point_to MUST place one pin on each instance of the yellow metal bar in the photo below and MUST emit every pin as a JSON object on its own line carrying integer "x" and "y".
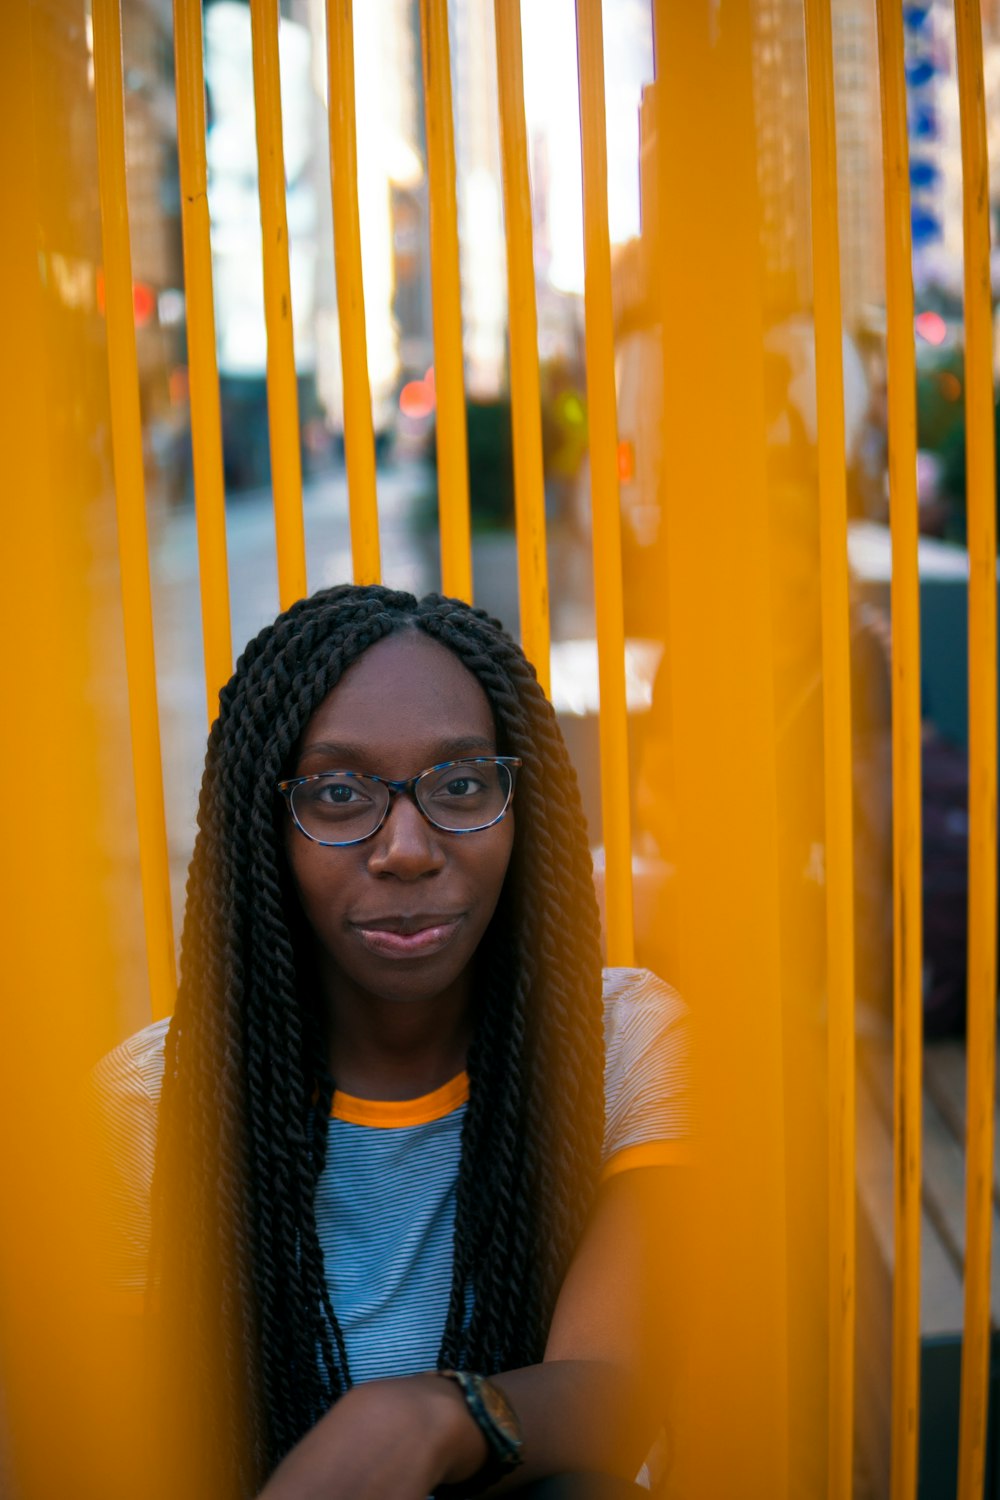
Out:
{"x": 605, "y": 504}
{"x": 126, "y": 441}
{"x": 449, "y": 375}
{"x": 206, "y": 421}
{"x": 70, "y": 904}
{"x": 282, "y": 391}
{"x": 525, "y": 395}
{"x": 834, "y": 610}
{"x": 906, "y": 816}
{"x": 359, "y": 438}
{"x": 980, "y": 504}
{"x": 708, "y": 293}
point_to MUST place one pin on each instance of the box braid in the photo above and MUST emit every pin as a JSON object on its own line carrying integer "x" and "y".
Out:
{"x": 237, "y": 1266}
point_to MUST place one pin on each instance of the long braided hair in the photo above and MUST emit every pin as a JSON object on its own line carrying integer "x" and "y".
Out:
{"x": 237, "y": 1264}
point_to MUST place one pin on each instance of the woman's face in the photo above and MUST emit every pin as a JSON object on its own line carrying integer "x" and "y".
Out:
{"x": 400, "y": 915}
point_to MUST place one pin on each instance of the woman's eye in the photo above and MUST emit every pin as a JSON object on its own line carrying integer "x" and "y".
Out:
{"x": 337, "y": 793}
{"x": 462, "y": 786}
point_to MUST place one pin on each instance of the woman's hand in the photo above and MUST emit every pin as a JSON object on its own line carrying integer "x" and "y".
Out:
{"x": 594, "y": 1404}
{"x": 385, "y": 1440}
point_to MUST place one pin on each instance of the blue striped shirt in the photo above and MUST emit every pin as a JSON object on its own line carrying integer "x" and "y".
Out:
{"x": 385, "y": 1201}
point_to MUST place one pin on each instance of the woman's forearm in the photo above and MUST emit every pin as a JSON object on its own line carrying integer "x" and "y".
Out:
{"x": 396, "y": 1439}
{"x": 578, "y": 1415}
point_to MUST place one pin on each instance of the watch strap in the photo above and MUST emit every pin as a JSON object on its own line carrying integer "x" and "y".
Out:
{"x": 503, "y": 1437}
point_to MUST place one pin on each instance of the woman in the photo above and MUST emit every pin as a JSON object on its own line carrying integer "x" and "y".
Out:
{"x": 379, "y": 1146}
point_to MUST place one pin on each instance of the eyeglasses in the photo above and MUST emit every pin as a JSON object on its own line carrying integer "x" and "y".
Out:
{"x": 346, "y": 807}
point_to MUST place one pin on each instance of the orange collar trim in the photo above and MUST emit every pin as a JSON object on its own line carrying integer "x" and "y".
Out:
{"x": 394, "y": 1114}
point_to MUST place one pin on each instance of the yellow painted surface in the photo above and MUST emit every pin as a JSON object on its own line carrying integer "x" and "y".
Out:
{"x": 359, "y": 439}
{"x": 839, "y": 862}
{"x": 282, "y": 390}
{"x": 732, "y": 1424}
{"x": 71, "y": 903}
{"x": 206, "y": 420}
{"x": 525, "y": 396}
{"x": 126, "y": 436}
{"x": 605, "y": 501}
{"x": 982, "y": 953}
{"x": 906, "y": 813}
{"x": 449, "y": 378}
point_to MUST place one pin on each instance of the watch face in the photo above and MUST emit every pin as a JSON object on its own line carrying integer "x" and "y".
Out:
{"x": 500, "y": 1412}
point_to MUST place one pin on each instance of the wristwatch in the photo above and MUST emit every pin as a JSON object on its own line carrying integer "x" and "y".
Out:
{"x": 497, "y": 1421}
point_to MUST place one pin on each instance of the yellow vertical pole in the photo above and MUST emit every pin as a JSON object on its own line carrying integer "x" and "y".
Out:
{"x": 834, "y": 612}
{"x": 449, "y": 375}
{"x": 525, "y": 394}
{"x": 982, "y": 963}
{"x": 126, "y": 438}
{"x": 605, "y": 504}
{"x": 206, "y": 422}
{"x": 282, "y": 391}
{"x": 906, "y": 816}
{"x": 359, "y": 437}
{"x": 67, "y": 943}
{"x": 708, "y": 288}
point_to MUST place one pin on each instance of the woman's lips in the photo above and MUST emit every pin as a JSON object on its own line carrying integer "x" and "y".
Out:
{"x": 418, "y": 942}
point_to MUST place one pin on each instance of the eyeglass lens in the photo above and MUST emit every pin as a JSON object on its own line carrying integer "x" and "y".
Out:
{"x": 341, "y": 806}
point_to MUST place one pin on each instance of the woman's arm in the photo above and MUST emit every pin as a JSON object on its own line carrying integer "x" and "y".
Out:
{"x": 595, "y": 1403}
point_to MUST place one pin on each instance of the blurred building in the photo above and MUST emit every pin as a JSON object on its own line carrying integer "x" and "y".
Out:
{"x": 392, "y": 204}
{"x": 782, "y": 105}
{"x": 155, "y": 226}
{"x": 482, "y": 249}
{"x": 409, "y": 202}
{"x": 779, "y": 62}
{"x": 859, "y": 160}
{"x": 935, "y": 136}
{"x": 233, "y": 191}
{"x": 151, "y": 142}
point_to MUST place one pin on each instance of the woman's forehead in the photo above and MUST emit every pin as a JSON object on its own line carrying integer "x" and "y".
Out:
{"x": 407, "y": 696}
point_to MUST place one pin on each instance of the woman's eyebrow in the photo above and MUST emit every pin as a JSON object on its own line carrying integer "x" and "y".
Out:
{"x": 342, "y": 750}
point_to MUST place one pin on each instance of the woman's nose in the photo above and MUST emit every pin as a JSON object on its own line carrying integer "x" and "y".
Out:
{"x": 406, "y": 845}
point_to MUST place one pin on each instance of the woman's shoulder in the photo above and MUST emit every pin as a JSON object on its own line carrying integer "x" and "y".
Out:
{"x": 132, "y": 1072}
{"x": 646, "y": 1067}
{"x": 638, "y": 999}
{"x": 124, "y": 1095}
